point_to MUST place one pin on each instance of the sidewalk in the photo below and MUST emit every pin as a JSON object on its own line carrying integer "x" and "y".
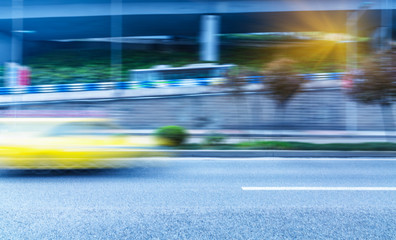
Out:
{"x": 314, "y": 136}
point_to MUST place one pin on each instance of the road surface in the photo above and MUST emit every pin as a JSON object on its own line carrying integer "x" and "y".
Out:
{"x": 264, "y": 198}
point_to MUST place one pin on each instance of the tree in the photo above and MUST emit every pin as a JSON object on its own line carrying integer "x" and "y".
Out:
{"x": 376, "y": 84}
{"x": 282, "y": 82}
{"x": 235, "y": 82}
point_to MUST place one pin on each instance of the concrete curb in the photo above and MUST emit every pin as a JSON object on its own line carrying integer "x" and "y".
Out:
{"x": 281, "y": 153}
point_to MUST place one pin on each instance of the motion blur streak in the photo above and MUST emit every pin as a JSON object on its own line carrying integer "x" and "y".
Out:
{"x": 70, "y": 143}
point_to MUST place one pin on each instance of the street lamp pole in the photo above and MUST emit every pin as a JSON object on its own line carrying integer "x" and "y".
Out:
{"x": 352, "y": 29}
{"x": 116, "y": 40}
{"x": 17, "y": 32}
{"x": 352, "y": 60}
{"x": 386, "y": 25}
{"x": 16, "y": 47}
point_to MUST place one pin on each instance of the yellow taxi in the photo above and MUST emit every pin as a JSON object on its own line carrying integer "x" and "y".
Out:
{"x": 70, "y": 143}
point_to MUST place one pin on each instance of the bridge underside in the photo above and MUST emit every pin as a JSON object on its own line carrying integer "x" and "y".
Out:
{"x": 189, "y": 24}
{"x": 56, "y": 28}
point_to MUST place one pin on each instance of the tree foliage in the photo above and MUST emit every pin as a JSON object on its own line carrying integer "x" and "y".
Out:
{"x": 235, "y": 80}
{"x": 376, "y": 83}
{"x": 282, "y": 80}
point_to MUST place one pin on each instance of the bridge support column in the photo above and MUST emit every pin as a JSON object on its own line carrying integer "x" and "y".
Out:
{"x": 209, "y": 42}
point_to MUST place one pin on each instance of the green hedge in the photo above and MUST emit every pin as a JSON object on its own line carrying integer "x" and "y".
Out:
{"x": 278, "y": 145}
{"x": 370, "y": 146}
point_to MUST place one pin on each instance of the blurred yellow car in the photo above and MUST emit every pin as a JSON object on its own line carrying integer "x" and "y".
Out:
{"x": 70, "y": 143}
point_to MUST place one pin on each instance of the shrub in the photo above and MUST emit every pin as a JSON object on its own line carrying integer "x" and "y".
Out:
{"x": 171, "y": 135}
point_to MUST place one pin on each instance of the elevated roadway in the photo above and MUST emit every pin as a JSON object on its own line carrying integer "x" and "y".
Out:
{"x": 92, "y": 18}
{"x": 44, "y": 20}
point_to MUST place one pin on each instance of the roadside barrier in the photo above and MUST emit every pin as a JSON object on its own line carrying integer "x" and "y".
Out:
{"x": 76, "y": 87}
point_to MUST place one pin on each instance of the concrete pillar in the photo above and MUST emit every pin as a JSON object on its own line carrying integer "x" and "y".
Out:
{"x": 5, "y": 48}
{"x": 209, "y": 39}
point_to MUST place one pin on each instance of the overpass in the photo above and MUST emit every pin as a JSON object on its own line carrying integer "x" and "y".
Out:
{"x": 35, "y": 21}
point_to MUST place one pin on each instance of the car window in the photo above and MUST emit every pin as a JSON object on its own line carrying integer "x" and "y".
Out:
{"x": 83, "y": 128}
{"x": 24, "y": 128}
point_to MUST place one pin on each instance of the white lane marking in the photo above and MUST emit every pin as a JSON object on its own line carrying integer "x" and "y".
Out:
{"x": 319, "y": 188}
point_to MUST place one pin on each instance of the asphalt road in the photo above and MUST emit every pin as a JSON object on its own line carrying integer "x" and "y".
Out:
{"x": 205, "y": 199}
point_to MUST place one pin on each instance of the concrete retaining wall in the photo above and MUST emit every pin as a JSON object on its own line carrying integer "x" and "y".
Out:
{"x": 320, "y": 109}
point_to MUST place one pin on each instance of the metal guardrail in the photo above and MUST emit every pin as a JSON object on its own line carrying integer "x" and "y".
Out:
{"x": 76, "y": 87}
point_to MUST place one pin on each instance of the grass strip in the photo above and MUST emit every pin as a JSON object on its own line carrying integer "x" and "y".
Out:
{"x": 279, "y": 145}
